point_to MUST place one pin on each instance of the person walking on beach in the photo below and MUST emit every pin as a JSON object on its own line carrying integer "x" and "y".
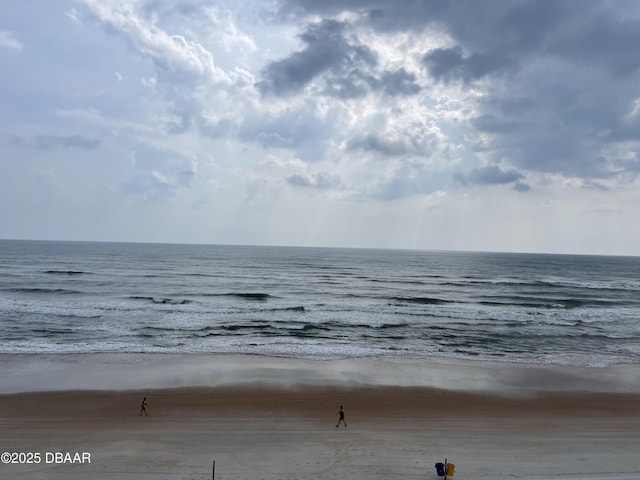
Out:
{"x": 341, "y": 419}
{"x": 143, "y": 406}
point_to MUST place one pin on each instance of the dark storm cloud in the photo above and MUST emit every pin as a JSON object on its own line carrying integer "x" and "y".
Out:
{"x": 345, "y": 67}
{"x": 521, "y": 187}
{"x": 606, "y": 38}
{"x": 559, "y": 77}
{"x": 327, "y": 51}
{"x": 491, "y": 123}
{"x": 400, "y": 144}
{"x": 511, "y": 25}
{"x": 565, "y": 126}
{"x": 578, "y": 29}
{"x": 449, "y": 64}
{"x": 395, "y": 83}
{"x": 502, "y": 31}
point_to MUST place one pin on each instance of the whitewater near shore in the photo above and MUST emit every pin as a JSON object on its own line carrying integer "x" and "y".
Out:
{"x": 275, "y": 418}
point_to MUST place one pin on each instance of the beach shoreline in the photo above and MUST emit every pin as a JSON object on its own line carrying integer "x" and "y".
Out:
{"x": 136, "y": 371}
{"x": 256, "y": 428}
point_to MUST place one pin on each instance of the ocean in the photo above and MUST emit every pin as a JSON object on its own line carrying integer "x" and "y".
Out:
{"x": 321, "y": 303}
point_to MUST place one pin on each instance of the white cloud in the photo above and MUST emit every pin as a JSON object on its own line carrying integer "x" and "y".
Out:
{"x": 9, "y": 41}
{"x": 225, "y": 31}
{"x": 169, "y": 52}
{"x": 74, "y": 15}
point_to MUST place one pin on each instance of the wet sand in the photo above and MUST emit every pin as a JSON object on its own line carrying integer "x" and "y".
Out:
{"x": 265, "y": 429}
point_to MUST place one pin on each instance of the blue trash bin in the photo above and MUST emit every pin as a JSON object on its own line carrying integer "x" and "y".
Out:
{"x": 440, "y": 469}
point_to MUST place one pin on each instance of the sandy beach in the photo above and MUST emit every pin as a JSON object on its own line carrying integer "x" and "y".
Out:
{"x": 256, "y": 429}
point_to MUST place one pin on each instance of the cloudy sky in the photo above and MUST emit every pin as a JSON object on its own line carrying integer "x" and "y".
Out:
{"x": 431, "y": 124}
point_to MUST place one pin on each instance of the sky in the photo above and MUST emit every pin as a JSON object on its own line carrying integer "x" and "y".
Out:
{"x": 502, "y": 125}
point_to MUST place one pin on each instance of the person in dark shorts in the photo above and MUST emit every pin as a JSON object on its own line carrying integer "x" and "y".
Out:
{"x": 143, "y": 406}
{"x": 341, "y": 419}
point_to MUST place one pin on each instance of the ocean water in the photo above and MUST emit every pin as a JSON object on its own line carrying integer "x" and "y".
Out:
{"x": 318, "y": 302}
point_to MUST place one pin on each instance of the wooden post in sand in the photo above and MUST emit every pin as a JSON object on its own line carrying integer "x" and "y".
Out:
{"x": 213, "y": 471}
